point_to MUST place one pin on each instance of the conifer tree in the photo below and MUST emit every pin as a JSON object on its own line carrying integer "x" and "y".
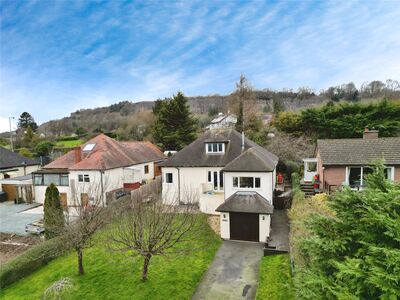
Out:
{"x": 174, "y": 126}
{"x": 53, "y": 213}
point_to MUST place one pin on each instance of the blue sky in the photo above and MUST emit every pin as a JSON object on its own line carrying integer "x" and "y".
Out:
{"x": 59, "y": 56}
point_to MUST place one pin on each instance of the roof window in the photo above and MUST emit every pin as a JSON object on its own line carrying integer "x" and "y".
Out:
{"x": 89, "y": 147}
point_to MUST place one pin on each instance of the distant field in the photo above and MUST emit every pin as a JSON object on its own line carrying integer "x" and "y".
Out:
{"x": 69, "y": 144}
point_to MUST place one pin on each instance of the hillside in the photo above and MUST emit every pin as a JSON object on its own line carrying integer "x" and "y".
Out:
{"x": 110, "y": 118}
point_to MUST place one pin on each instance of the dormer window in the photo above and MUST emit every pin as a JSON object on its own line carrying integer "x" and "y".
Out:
{"x": 215, "y": 148}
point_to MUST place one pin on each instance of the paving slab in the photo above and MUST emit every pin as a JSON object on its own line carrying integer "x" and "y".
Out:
{"x": 233, "y": 274}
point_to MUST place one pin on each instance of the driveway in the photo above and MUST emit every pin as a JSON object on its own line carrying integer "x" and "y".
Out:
{"x": 14, "y": 217}
{"x": 234, "y": 272}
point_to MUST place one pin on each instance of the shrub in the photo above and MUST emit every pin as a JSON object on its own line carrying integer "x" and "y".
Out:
{"x": 30, "y": 261}
{"x": 53, "y": 213}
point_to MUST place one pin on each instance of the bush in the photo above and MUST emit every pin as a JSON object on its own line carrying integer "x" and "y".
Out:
{"x": 30, "y": 261}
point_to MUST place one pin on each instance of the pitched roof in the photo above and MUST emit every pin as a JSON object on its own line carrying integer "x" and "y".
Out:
{"x": 9, "y": 159}
{"x": 255, "y": 159}
{"x": 247, "y": 202}
{"x": 359, "y": 151}
{"x": 194, "y": 155}
{"x": 108, "y": 153}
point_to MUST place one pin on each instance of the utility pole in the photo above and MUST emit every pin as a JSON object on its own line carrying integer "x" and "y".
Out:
{"x": 11, "y": 138}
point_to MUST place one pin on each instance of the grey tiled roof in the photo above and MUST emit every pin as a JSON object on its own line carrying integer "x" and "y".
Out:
{"x": 359, "y": 151}
{"x": 247, "y": 202}
{"x": 194, "y": 155}
{"x": 9, "y": 159}
{"x": 255, "y": 159}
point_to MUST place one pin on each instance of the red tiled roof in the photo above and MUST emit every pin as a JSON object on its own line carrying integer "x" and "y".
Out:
{"x": 108, "y": 154}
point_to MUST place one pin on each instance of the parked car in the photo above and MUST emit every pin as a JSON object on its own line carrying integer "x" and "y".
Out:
{"x": 36, "y": 227}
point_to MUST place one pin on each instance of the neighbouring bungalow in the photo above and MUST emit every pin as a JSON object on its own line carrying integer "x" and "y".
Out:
{"x": 15, "y": 175}
{"x": 102, "y": 166}
{"x": 345, "y": 162}
{"x": 228, "y": 175}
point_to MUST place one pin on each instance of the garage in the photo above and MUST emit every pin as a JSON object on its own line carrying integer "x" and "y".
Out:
{"x": 244, "y": 226}
{"x": 245, "y": 216}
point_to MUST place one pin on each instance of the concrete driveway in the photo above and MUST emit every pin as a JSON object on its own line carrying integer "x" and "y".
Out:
{"x": 234, "y": 272}
{"x": 14, "y": 217}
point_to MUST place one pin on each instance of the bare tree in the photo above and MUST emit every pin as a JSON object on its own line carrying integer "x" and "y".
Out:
{"x": 86, "y": 214}
{"x": 146, "y": 227}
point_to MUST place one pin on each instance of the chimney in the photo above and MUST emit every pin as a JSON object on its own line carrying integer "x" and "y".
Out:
{"x": 370, "y": 134}
{"x": 78, "y": 154}
{"x": 242, "y": 141}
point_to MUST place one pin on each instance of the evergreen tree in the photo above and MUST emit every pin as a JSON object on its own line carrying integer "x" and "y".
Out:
{"x": 25, "y": 120}
{"x": 53, "y": 213}
{"x": 174, "y": 125}
{"x": 355, "y": 252}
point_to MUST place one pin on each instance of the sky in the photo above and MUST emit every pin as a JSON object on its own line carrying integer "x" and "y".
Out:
{"x": 59, "y": 56}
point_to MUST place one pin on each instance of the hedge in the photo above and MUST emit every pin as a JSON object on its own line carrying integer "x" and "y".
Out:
{"x": 30, "y": 261}
{"x": 68, "y": 138}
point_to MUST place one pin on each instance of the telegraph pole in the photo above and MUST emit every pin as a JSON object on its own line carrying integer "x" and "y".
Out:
{"x": 11, "y": 138}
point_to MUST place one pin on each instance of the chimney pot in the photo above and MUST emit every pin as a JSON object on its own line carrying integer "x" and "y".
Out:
{"x": 78, "y": 154}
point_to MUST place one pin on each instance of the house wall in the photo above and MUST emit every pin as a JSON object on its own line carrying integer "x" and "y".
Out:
{"x": 397, "y": 174}
{"x": 187, "y": 183}
{"x": 21, "y": 171}
{"x": 225, "y": 230}
{"x": 266, "y": 188}
{"x": 264, "y": 226}
{"x": 105, "y": 182}
{"x": 334, "y": 175}
{"x": 320, "y": 167}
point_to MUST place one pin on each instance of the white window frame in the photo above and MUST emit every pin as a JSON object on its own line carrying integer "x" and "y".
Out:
{"x": 392, "y": 169}
{"x": 215, "y": 152}
{"x": 219, "y": 174}
{"x": 84, "y": 177}
{"x": 241, "y": 188}
{"x": 172, "y": 178}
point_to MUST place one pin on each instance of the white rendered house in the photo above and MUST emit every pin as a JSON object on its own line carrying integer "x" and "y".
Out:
{"x": 101, "y": 166}
{"x": 226, "y": 174}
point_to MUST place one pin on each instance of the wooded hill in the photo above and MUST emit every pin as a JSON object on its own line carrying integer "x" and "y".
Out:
{"x": 115, "y": 116}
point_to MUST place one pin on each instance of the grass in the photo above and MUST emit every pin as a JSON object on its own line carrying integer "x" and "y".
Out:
{"x": 114, "y": 276}
{"x": 275, "y": 278}
{"x": 69, "y": 144}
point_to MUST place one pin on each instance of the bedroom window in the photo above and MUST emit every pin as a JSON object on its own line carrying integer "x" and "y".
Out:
{"x": 215, "y": 148}
{"x": 83, "y": 178}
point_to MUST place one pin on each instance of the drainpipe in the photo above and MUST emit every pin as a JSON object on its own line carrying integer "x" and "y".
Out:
{"x": 242, "y": 141}
{"x": 179, "y": 185}
{"x": 102, "y": 187}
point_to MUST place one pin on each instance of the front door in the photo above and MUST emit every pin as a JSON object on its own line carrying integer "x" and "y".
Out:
{"x": 63, "y": 200}
{"x": 310, "y": 169}
{"x": 244, "y": 226}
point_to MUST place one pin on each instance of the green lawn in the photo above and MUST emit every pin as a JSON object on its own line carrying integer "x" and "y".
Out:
{"x": 69, "y": 144}
{"x": 275, "y": 278}
{"x": 113, "y": 276}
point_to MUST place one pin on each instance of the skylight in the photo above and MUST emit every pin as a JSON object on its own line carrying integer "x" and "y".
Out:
{"x": 89, "y": 147}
